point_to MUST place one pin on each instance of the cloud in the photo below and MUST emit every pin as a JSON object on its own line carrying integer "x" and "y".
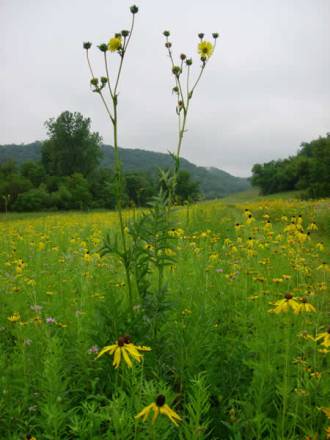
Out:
{"x": 265, "y": 91}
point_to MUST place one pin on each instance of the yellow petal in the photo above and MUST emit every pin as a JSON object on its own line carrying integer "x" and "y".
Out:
{"x": 109, "y": 348}
{"x": 116, "y": 358}
{"x": 126, "y": 358}
{"x": 133, "y": 351}
{"x": 156, "y": 412}
{"x": 326, "y": 411}
{"x": 142, "y": 348}
{"x": 145, "y": 412}
{"x": 172, "y": 415}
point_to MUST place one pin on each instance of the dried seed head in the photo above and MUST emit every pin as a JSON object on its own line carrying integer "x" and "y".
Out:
{"x": 176, "y": 70}
{"x": 103, "y": 47}
{"x": 87, "y": 45}
{"x": 94, "y": 81}
{"x": 134, "y": 9}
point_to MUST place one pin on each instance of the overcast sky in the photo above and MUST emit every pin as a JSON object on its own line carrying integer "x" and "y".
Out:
{"x": 266, "y": 88}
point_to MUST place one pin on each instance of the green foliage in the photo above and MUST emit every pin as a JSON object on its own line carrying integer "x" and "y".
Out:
{"x": 34, "y": 171}
{"x": 263, "y": 378}
{"x": 186, "y": 188}
{"x": 309, "y": 170}
{"x": 71, "y": 147}
{"x": 36, "y": 199}
{"x": 214, "y": 183}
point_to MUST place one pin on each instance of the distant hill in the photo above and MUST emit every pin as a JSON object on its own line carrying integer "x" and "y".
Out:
{"x": 213, "y": 182}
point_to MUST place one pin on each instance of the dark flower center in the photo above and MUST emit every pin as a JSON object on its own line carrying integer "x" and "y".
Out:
{"x": 121, "y": 341}
{"x": 288, "y": 296}
{"x": 160, "y": 400}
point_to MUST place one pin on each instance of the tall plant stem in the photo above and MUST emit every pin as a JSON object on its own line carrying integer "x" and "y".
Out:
{"x": 119, "y": 178}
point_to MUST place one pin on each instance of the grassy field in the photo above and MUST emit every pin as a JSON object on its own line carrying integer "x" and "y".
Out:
{"x": 239, "y": 341}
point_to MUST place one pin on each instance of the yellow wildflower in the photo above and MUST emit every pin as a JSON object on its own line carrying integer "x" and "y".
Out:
{"x": 327, "y": 432}
{"x": 283, "y": 305}
{"x": 305, "y": 306}
{"x": 124, "y": 348}
{"x": 205, "y": 49}
{"x": 15, "y": 317}
{"x": 312, "y": 227}
{"x": 326, "y": 411}
{"x": 159, "y": 407}
{"x": 326, "y": 338}
{"x": 114, "y": 43}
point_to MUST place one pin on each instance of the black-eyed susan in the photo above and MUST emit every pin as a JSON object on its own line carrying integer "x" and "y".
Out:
{"x": 15, "y": 317}
{"x": 324, "y": 337}
{"x": 124, "y": 348}
{"x": 159, "y": 407}
{"x": 205, "y": 49}
{"x": 115, "y": 43}
{"x": 285, "y": 304}
{"x": 305, "y": 306}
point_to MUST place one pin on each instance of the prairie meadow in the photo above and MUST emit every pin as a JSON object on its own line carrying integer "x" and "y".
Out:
{"x": 236, "y": 347}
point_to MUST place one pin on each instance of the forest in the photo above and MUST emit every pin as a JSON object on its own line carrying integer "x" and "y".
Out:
{"x": 308, "y": 170}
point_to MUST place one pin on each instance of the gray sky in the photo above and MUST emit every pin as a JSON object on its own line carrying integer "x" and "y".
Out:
{"x": 265, "y": 90}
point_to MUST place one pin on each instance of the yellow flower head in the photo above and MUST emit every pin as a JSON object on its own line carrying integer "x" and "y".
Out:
{"x": 123, "y": 348}
{"x": 159, "y": 407}
{"x": 325, "y": 338}
{"x": 305, "y": 306}
{"x": 114, "y": 43}
{"x": 205, "y": 49}
{"x": 15, "y": 317}
{"x": 283, "y": 305}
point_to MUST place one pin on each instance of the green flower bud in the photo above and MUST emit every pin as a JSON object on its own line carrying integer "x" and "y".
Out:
{"x": 134, "y": 9}
{"x": 117, "y": 35}
{"x": 183, "y": 56}
{"x": 201, "y": 35}
{"x": 94, "y": 82}
{"x": 189, "y": 62}
{"x": 166, "y": 33}
{"x": 176, "y": 70}
{"x": 87, "y": 45}
{"x": 125, "y": 33}
{"x": 215, "y": 35}
{"x": 104, "y": 79}
{"x": 103, "y": 47}
{"x": 203, "y": 59}
{"x": 175, "y": 89}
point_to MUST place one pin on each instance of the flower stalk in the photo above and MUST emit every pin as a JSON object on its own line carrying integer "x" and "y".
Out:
{"x": 118, "y": 44}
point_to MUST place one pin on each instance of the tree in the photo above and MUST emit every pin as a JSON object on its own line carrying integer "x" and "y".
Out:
{"x": 186, "y": 189}
{"x": 34, "y": 171}
{"x": 139, "y": 188}
{"x": 71, "y": 147}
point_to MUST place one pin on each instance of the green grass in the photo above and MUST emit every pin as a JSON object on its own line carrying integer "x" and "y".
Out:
{"x": 230, "y": 367}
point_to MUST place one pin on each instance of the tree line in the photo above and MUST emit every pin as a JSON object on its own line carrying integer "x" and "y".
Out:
{"x": 308, "y": 170}
{"x": 69, "y": 175}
